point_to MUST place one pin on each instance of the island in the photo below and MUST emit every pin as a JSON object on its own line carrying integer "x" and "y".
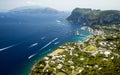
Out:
{"x": 98, "y": 55}
{"x": 87, "y": 16}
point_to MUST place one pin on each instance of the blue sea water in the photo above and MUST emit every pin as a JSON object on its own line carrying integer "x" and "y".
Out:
{"x": 24, "y": 39}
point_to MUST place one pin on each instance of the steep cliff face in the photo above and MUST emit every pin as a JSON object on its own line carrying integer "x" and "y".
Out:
{"x": 90, "y": 17}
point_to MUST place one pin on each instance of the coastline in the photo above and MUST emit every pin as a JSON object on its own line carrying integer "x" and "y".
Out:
{"x": 57, "y": 51}
{"x": 81, "y": 57}
{"x": 60, "y": 49}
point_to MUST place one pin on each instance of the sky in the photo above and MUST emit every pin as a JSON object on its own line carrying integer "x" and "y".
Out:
{"x": 63, "y": 5}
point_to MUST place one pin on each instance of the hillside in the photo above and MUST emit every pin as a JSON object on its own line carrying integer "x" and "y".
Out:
{"x": 91, "y": 17}
{"x": 34, "y": 10}
{"x": 98, "y": 55}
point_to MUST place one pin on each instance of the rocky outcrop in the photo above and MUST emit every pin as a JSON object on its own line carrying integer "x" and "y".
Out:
{"x": 90, "y": 17}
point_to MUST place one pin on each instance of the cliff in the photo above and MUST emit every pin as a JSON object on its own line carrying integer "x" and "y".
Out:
{"x": 91, "y": 17}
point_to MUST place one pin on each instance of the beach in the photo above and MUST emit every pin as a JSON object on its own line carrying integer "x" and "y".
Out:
{"x": 57, "y": 51}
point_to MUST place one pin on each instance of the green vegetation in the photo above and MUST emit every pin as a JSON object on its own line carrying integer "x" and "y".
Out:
{"x": 101, "y": 14}
{"x": 99, "y": 55}
{"x": 90, "y": 48}
{"x": 108, "y": 12}
{"x": 92, "y": 17}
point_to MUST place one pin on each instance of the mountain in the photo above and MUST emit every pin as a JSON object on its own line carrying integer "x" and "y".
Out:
{"x": 90, "y": 17}
{"x": 34, "y": 10}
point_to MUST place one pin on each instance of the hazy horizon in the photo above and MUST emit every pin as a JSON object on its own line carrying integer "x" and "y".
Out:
{"x": 62, "y": 5}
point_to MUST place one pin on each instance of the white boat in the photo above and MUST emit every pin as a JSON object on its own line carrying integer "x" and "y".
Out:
{"x": 77, "y": 33}
{"x": 58, "y": 21}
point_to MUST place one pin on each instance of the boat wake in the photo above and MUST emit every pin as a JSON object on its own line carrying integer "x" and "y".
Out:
{"x": 6, "y": 48}
{"x": 42, "y": 38}
{"x": 35, "y": 44}
{"x": 49, "y": 43}
{"x": 32, "y": 56}
{"x": 56, "y": 43}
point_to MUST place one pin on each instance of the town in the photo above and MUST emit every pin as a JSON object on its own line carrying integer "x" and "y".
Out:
{"x": 98, "y": 55}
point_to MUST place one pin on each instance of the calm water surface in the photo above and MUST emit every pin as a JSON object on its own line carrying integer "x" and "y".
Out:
{"x": 25, "y": 39}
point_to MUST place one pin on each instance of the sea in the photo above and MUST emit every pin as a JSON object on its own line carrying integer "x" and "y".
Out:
{"x": 25, "y": 39}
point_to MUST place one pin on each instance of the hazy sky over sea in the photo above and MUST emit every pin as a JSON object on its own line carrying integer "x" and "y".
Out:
{"x": 61, "y": 4}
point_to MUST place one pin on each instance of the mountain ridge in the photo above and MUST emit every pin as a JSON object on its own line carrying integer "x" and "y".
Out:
{"x": 89, "y": 16}
{"x": 34, "y": 10}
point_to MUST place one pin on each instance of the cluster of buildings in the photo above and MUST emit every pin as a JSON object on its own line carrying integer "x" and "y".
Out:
{"x": 61, "y": 62}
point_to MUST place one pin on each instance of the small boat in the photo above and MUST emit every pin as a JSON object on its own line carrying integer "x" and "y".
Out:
{"x": 58, "y": 21}
{"x": 77, "y": 33}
